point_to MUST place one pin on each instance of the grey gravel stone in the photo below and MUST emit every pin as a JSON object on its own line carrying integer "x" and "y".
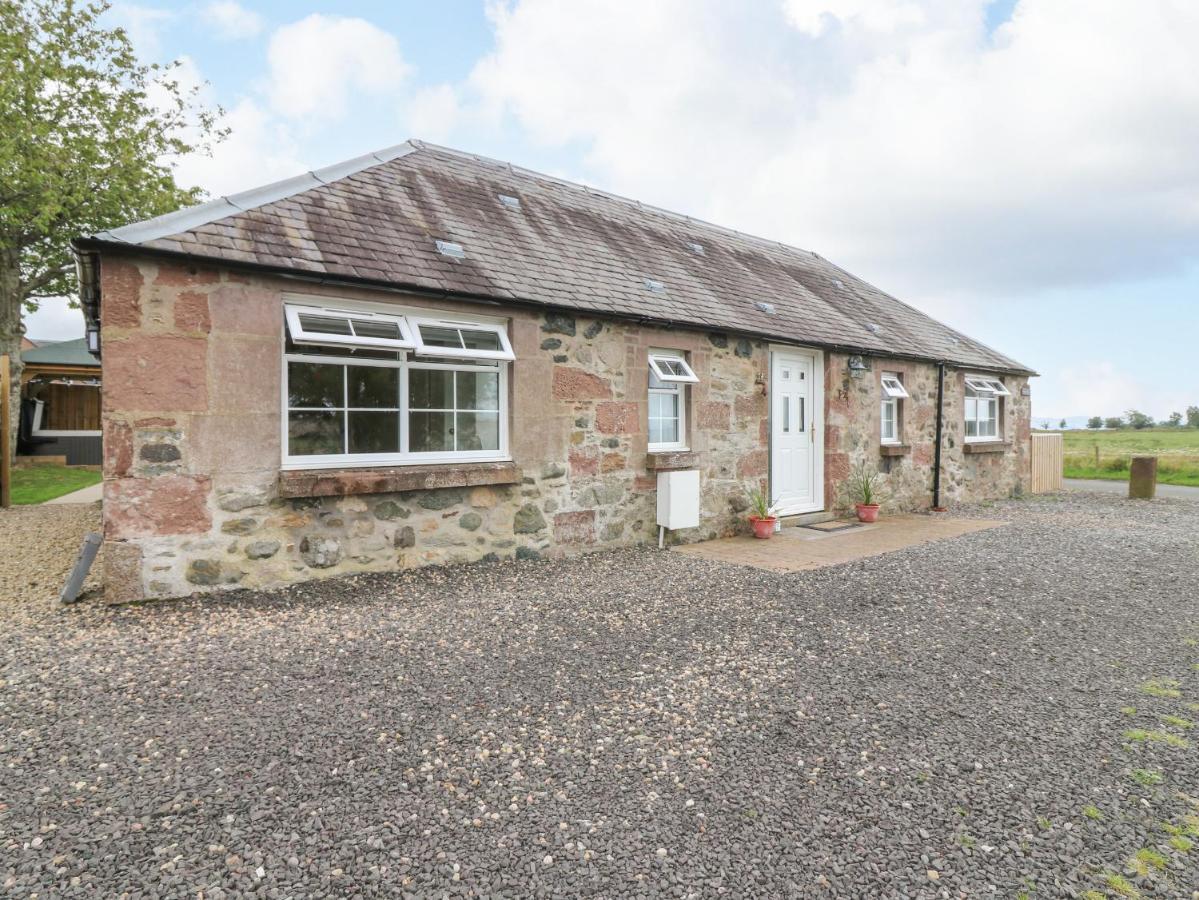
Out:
{"x": 528, "y": 520}
{"x": 320, "y": 552}
{"x": 925, "y": 724}
{"x": 559, "y": 323}
{"x": 159, "y": 453}
{"x": 262, "y": 549}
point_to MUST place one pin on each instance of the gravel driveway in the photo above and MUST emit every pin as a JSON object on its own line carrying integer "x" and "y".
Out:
{"x": 986, "y": 716}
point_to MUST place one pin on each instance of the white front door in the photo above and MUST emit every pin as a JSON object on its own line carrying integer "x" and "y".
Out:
{"x": 796, "y": 431}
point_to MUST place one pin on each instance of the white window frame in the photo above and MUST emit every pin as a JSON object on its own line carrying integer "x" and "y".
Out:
{"x": 405, "y": 362}
{"x": 422, "y": 349}
{"x": 991, "y": 391}
{"x": 656, "y": 364}
{"x": 893, "y": 393}
{"x": 299, "y": 335}
{"x": 674, "y": 385}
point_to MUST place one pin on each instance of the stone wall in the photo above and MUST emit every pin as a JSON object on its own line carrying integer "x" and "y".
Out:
{"x": 853, "y": 427}
{"x": 192, "y": 423}
{"x": 194, "y": 499}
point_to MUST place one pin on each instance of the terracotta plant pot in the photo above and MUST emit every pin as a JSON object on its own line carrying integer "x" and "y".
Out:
{"x": 763, "y": 528}
{"x": 867, "y": 512}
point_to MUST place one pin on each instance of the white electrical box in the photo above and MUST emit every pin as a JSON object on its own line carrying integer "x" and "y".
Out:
{"x": 678, "y": 499}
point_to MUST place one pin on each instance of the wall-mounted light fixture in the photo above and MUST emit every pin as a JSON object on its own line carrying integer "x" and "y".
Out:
{"x": 857, "y": 366}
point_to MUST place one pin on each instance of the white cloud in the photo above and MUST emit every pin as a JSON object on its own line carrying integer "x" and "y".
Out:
{"x": 1103, "y": 389}
{"x": 259, "y": 150}
{"x": 54, "y": 320}
{"x": 231, "y": 20}
{"x": 319, "y": 61}
{"x": 898, "y": 138}
{"x": 144, "y": 25}
{"x": 434, "y": 112}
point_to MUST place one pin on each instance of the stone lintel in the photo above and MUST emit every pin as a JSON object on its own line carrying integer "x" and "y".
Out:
{"x": 895, "y": 449}
{"x": 987, "y": 447}
{"x": 394, "y": 479}
{"x": 670, "y": 460}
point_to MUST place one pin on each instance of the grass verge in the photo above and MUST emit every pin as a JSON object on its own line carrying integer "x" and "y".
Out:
{"x": 37, "y": 484}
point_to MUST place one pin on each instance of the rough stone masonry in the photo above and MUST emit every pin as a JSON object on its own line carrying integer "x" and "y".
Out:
{"x": 195, "y": 499}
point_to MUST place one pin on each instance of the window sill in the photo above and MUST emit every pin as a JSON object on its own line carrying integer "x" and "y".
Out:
{"x": 394, "y": 479}
{"x": 894, "y": 449}
{"x": 669, "y": 460}
{"x": 987, "y": 446}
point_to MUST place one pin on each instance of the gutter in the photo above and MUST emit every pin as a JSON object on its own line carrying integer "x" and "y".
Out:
{"x": 89, "y": 247}
{"x": 87, "y": 271}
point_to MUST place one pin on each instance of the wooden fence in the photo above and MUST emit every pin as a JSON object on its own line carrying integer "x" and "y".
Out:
{"x": 1046, "y": 463}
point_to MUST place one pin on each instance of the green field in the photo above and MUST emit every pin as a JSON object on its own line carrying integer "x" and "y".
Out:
{"x": 37, "y": 484}
{"x": 1177, "y": 450}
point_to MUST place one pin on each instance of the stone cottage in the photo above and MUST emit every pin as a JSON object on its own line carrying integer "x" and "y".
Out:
{"x": 422, "y": 357}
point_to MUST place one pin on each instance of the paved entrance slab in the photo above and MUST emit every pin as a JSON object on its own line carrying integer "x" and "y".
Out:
{"x": 93, "y": 493}
{"x": 799, "y": 549}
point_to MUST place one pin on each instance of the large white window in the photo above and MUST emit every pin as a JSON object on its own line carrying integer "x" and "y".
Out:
{"x": 350, "y": 402}
{"x": 669, "y": 375}
{"x": 983, "y": 407}
{"x": 894, "y": 394}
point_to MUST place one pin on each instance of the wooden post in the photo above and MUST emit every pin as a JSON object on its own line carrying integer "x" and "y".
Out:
{"x": 1142, "y": 478}
{"x": 1096, "y": 454}
{"x": 5, "y": 433}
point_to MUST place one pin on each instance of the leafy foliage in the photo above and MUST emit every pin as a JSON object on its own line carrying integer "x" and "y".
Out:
{"x": 1095, "y": 422}
{"x": 89, "y": 143}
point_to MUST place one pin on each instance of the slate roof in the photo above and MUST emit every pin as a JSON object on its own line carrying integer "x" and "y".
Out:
{"x": 378, "y": 218}
{"x": 60, "y": 353}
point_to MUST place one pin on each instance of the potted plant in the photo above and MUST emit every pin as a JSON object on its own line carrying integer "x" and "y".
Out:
{"x": 864, "y": 487}
{"x": 761, "y": 517}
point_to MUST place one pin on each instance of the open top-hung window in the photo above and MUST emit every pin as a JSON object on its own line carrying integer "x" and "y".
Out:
{"x": 669, "y": 375}
{"x": 353, "y": 403}
{"x": 893, "y": 393}
{"x": 983, "y": 399}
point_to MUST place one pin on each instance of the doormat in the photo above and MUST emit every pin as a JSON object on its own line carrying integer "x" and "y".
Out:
{"x": 833, "y": 526}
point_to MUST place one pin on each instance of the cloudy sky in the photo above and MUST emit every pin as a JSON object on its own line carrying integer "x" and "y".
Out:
{"x": 1023, "y": 169}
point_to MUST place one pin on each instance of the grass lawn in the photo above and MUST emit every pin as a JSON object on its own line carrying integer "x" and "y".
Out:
{"x": 37, "y": 484}
{"x": 1177, "y": 450}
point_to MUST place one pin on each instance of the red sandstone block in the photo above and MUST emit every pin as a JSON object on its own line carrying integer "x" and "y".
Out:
{"x": 120, "y": 289}
{"x": 575, "y": 384}
{"x": 156, "y": 372}
{"x": 613, "y": 462}
{"x": 151, "y": 507}
{"x": 584, "y": 461}
{"x": 616, "y": 417}
{"x": 191, "y": 312}
{"x": 234, "y": 444}
{"x": 155, "y": 422}
{"x": 118, "y": 449}
{"x": 756, "y": 462}
{"x": 575, "y": 527}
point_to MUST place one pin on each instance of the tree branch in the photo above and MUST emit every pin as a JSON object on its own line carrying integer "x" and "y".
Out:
{"x": 29, "y": 287}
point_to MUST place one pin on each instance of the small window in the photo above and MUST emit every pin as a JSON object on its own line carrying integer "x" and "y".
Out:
{"x": 894, "y": 393}
{"x": 986, "y": 386}
{"x": 669, "y": 375}
{"x": 672, "y": 369}
{"x": 352, "y": 328}
{"x": 893, "y": 387}
{"x": 983, "y": 401}
{"x": 461, "y": 340}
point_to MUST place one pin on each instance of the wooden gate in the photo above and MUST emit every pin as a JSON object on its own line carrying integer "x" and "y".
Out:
{"x": 1046, "y": 463}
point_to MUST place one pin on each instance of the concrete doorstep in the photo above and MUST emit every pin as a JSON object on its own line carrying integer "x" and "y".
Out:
{"x": 803, "y": 549}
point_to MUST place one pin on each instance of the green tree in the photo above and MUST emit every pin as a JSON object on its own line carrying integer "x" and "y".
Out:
{"x": 1193, "y": 416}
{"x": 1175, "y": 420}
{"x": 1138, "y": 419}
{"x": 88, "y": 143}
{"x": 1062, "y": 425}
{"x": 1095, "y": 422}
{"x": 1113, "y": 422}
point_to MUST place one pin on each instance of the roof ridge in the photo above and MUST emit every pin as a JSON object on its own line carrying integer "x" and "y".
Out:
{"x": 204, "y": 213}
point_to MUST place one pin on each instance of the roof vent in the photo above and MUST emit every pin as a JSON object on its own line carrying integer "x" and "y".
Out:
{"x": 450, "y": 249}
{"x": 872, "y": 328}
{"x": 765, "y": 307}
{"x": 697, "y": 249}
{"x": 655, "y": 287}
{"x": 510, "y": 201}
{"x": 838, "y": 282}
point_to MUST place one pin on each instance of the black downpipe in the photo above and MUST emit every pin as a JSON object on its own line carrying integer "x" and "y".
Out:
{"x": 937, "y": 507}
